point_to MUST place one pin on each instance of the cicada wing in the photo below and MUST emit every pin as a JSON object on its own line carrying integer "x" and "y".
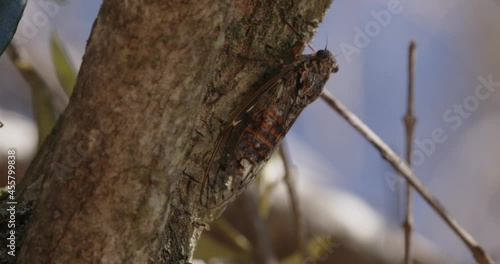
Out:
{"x": 267, "y": 128}
{"x": 222, "y": 180}
{"x": 216, "y": 184}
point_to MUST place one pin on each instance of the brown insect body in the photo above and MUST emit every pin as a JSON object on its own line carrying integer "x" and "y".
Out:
{"x": 257, "y": 128}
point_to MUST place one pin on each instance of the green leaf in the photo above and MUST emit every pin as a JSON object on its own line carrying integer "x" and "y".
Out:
{"x": 42, "y": 106}
{"x": 11, "y": 12}
{"x": 64, "y": 69}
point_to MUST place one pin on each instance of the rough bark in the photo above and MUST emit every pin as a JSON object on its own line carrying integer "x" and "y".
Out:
{"x": 259, "y": 30}
{"x": 106, "y": 171}
{"x": 118, "y": 179}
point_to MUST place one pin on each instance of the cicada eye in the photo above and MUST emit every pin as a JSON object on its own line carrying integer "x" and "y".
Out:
{"x": 322, "y": 54}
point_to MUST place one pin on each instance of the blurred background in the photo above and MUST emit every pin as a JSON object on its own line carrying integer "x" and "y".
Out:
{"x": 456, "y": 152}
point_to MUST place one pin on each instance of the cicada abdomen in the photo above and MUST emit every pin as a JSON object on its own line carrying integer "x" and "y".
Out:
{"x": 256, "y": 129}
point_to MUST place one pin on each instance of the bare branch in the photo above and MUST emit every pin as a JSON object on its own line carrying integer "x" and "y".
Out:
{"x": 398, "y": 164}
{"x": 294, "y": 201}
{"x": 409, "y": 121}
{"x": 262, "y": 246}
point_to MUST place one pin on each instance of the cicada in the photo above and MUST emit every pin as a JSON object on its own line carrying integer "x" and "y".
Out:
{"x": 256, "y": 128}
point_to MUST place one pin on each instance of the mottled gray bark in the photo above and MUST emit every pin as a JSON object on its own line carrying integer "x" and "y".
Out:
{"x": 118, "y": 179}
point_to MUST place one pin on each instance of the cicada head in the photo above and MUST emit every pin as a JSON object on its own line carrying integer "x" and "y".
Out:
{"x": 325, "y": 62}
{"x": 316, "y": 69}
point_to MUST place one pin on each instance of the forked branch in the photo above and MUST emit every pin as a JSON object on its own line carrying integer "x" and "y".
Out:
{"x": 409, "y": 121}
{"x": 388, "y": 154}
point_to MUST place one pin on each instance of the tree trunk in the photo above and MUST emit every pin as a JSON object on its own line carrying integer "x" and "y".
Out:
{"x": 118, "y": 179}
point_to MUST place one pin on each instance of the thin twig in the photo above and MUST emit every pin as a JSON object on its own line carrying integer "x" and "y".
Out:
{"x": 399, "y": 164}
{"x": 262, "y": 246}
{"x": 294, "y": 201}
{"x": 409, "y": 121}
